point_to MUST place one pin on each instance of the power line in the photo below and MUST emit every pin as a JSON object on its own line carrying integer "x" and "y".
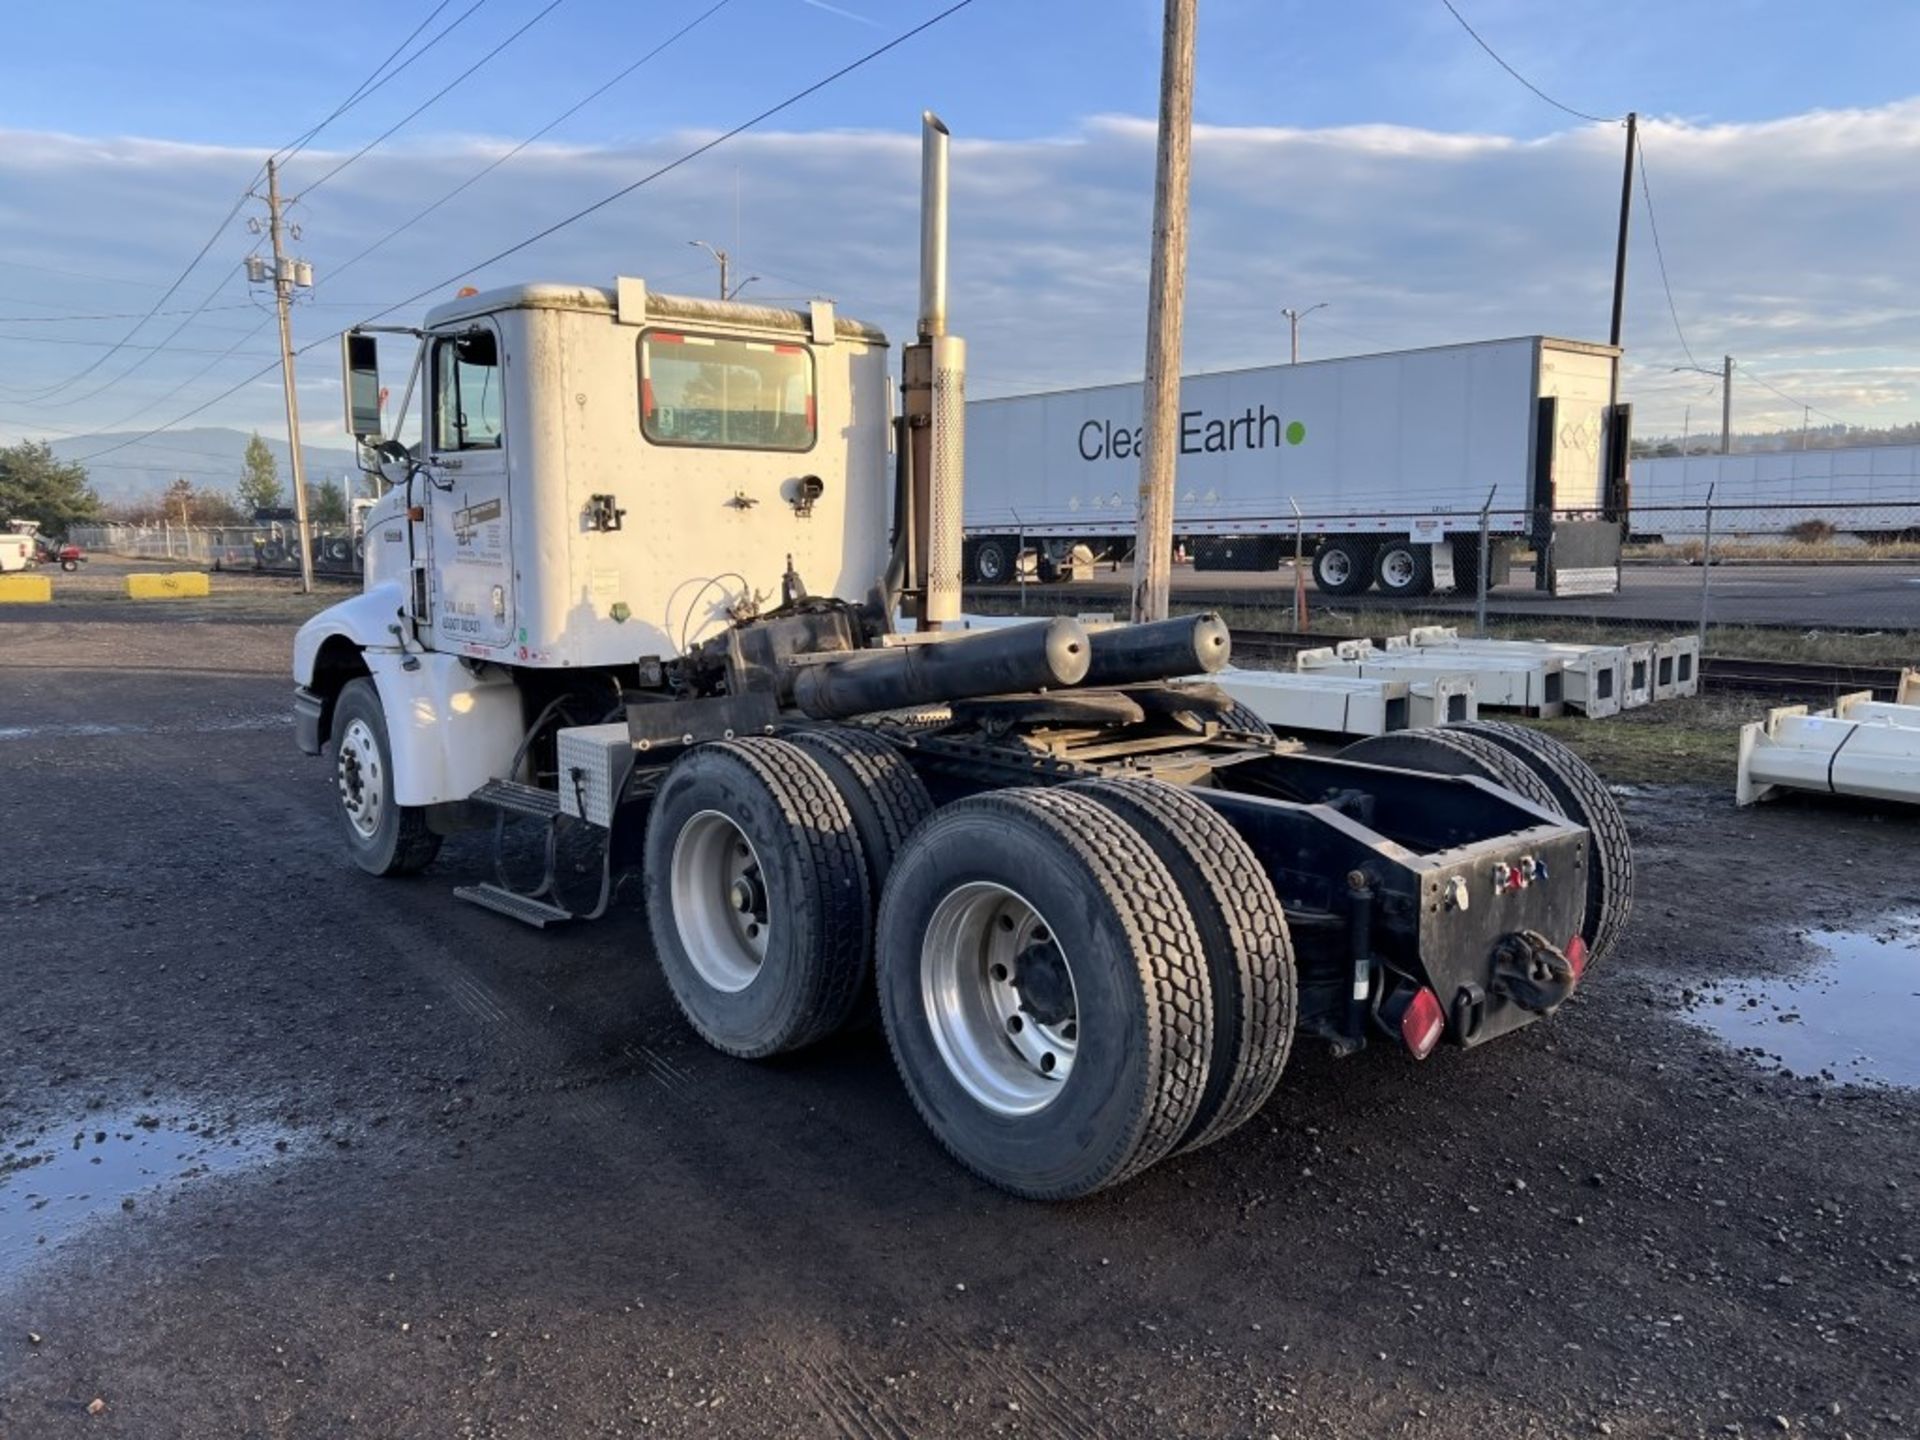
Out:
{"x": 1653, "y": 227}
{"x": 65, "y": 340}
{"x": 367, "y": 86}
{"x": 675, "y": 164}
{"x": 690, "y": 155}
{"x": 1577, "y": 114}
{"x": 110, "y": 315}
{"x": 432, "y": 99}
{"x": 562, "y": 117}
{"x": 1748, "y": 372}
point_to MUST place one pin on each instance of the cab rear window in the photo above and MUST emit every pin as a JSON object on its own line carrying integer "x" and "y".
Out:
{"x": 727, "y": 393}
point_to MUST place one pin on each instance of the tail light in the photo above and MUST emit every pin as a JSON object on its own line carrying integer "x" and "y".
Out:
{"x": 1416, "y": 1016}
{"x": 1577, "y": 956}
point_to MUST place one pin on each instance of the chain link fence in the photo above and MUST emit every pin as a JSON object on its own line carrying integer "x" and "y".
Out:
{"x": 1833, "y": 581}
{"x": 271, "y": 547}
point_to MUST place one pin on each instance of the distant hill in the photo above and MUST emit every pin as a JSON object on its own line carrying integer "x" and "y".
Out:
{"x": 210, "y": 457}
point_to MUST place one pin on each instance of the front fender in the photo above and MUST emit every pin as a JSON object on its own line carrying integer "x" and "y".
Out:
{"x": 372, "y": 619}
{"x": 449, "y": 729}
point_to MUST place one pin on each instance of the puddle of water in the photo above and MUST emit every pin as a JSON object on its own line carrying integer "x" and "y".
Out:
{"x": 60, "y": 1180}
{"x": 1851, "y": 1020}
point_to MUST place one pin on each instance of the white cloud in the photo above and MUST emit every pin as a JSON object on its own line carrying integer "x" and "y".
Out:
{"x": 1788, "y": 243}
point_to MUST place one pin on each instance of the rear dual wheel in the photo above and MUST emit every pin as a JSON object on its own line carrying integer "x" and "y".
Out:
{"x": 1044, "y": 991}
{"x": 1077, "y": 983}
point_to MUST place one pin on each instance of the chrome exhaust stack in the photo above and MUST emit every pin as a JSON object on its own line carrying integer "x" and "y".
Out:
{"x": 934, "y": 396}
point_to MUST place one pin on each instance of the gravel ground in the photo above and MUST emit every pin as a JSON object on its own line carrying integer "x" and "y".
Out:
{"x": 375, "y": 1162}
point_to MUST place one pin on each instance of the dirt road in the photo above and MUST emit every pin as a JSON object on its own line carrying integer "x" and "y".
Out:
{"x": 373, "y": 1162}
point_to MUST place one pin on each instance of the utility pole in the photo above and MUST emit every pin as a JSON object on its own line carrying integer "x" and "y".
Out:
{"x": 1294, "y": 318}
{"x": 1620, "y": 249}
{"x": 285, "y": 273}
{"x": 1726, "y": 406}
{"x": 1166, "y": 298}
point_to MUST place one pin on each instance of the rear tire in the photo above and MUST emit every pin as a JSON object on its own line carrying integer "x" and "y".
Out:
{"x": 993, "y": 560}
{"x": 1342, "y": 565}
{"x": 1240, "y": 717}
{"x": 1404, "y": 570}
{"x": 1243, "y": 932}
{"x": 383, "y": 838}
{"x": 884, "y": 795}
{"x": 1044, "y": 992}
{"x": 1583, "y": 798}
{"x": 757, "y": 896}
{"x": 1445, "y": 751}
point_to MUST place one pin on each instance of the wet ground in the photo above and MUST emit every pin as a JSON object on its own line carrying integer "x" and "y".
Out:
{"x": 517, "y": 1198}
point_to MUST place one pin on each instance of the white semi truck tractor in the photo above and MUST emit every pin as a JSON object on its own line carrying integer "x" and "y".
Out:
{"x": 637, "y": 582}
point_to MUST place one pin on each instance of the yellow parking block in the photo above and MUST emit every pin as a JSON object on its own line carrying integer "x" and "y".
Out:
{"x": 173, "y": 585}
{"x": 25, "y": 589}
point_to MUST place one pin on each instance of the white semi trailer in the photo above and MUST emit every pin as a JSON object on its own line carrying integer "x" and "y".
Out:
{"x": 1868, "y": 491}
{"x": 1383, "y": 462}
{"x": 1095, "y": 904}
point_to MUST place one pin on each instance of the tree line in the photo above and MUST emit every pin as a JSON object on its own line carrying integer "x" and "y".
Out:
{"x": 35, "y": 484}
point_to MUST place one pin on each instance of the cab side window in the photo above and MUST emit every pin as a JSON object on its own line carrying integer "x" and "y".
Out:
{"x": 468, "y": 397}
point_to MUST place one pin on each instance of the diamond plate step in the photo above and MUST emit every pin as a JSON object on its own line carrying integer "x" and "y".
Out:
{"x": 520, "y": 799}
{"x": 524, "y": 908}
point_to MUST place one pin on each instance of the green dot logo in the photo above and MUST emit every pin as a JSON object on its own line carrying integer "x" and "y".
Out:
{"x": 1296, "y": 432}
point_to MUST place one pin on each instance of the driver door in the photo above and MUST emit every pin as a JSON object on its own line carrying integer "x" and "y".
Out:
{"x": 469, "y": 522}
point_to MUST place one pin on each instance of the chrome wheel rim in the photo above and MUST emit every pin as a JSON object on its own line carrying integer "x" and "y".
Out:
{"x": 720, "y": 905}
{"x": 1396, "y": 569}
{"x": 999, "y": 998}
{"x": 1336, "y": 566}
{"x": 361, "y": 778}
{"x": 991, "y": 564}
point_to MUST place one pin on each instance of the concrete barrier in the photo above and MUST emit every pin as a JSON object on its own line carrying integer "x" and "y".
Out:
{"x": 173, "y": 585}
{"x": 25, "y": 589}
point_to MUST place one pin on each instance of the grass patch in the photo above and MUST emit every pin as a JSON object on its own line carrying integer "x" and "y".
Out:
{"x": 1676, "y": 742}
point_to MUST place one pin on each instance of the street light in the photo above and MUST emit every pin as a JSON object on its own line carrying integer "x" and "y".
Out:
{"x": 727, "y": 291}
{"x": 1295, "y": 317}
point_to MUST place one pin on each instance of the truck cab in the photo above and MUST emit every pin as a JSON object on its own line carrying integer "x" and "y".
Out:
{"x": 571, "y": 448}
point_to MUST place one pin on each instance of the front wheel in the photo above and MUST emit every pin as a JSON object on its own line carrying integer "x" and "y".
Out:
{"x": 383, "y": 837}
{"x": 70, "y": 566}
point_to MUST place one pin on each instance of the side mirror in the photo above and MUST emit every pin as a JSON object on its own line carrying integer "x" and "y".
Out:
{"x": 360, "y": 371}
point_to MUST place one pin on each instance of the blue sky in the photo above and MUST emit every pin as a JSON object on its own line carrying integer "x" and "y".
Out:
{"x": 1367, "y": 154}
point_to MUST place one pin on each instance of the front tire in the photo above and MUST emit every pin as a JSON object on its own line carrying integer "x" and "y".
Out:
{"x": 384, "y": 838}
{"x": 1045, "y": 992}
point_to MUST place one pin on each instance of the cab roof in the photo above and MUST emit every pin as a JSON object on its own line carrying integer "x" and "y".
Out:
{"x": 685, "y": 309}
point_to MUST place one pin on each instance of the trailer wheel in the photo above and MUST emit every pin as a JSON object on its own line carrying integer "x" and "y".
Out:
{"x": 756, "y": 895}
{"x": 1044, "y": 992}
{"x": 1239, "y": 716}
{"x": 1342, "y": 565}
{"x": 993, "y": 560}
{"x": 1403, "y": 568}
{"x": 1243, "y": 931}
{"x": 1583, "y": 798}
{"x": 383, "y": 838}
{"x": 273, "y": 552}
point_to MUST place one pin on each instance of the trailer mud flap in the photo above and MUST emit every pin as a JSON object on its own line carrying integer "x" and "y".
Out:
{"x": 1586, "y": 557}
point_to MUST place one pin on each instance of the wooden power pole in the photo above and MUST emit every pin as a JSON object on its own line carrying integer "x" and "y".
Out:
{"x": 1153, "y": 536}
{"x": 283, "y": 283}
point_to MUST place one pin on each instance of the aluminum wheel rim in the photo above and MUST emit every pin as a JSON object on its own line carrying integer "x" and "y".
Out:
{"x": 1397, "y": 569}
{"x": 1010, "y": 1057}
{"x": 720, "y": 903}
{"x": 1336, "y": 566}
{"x": 361, "y": 778}
{"x": 992, "y": 566}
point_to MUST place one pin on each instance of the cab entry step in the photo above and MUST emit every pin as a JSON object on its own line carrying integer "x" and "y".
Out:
{"x": 524, "y": 908}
